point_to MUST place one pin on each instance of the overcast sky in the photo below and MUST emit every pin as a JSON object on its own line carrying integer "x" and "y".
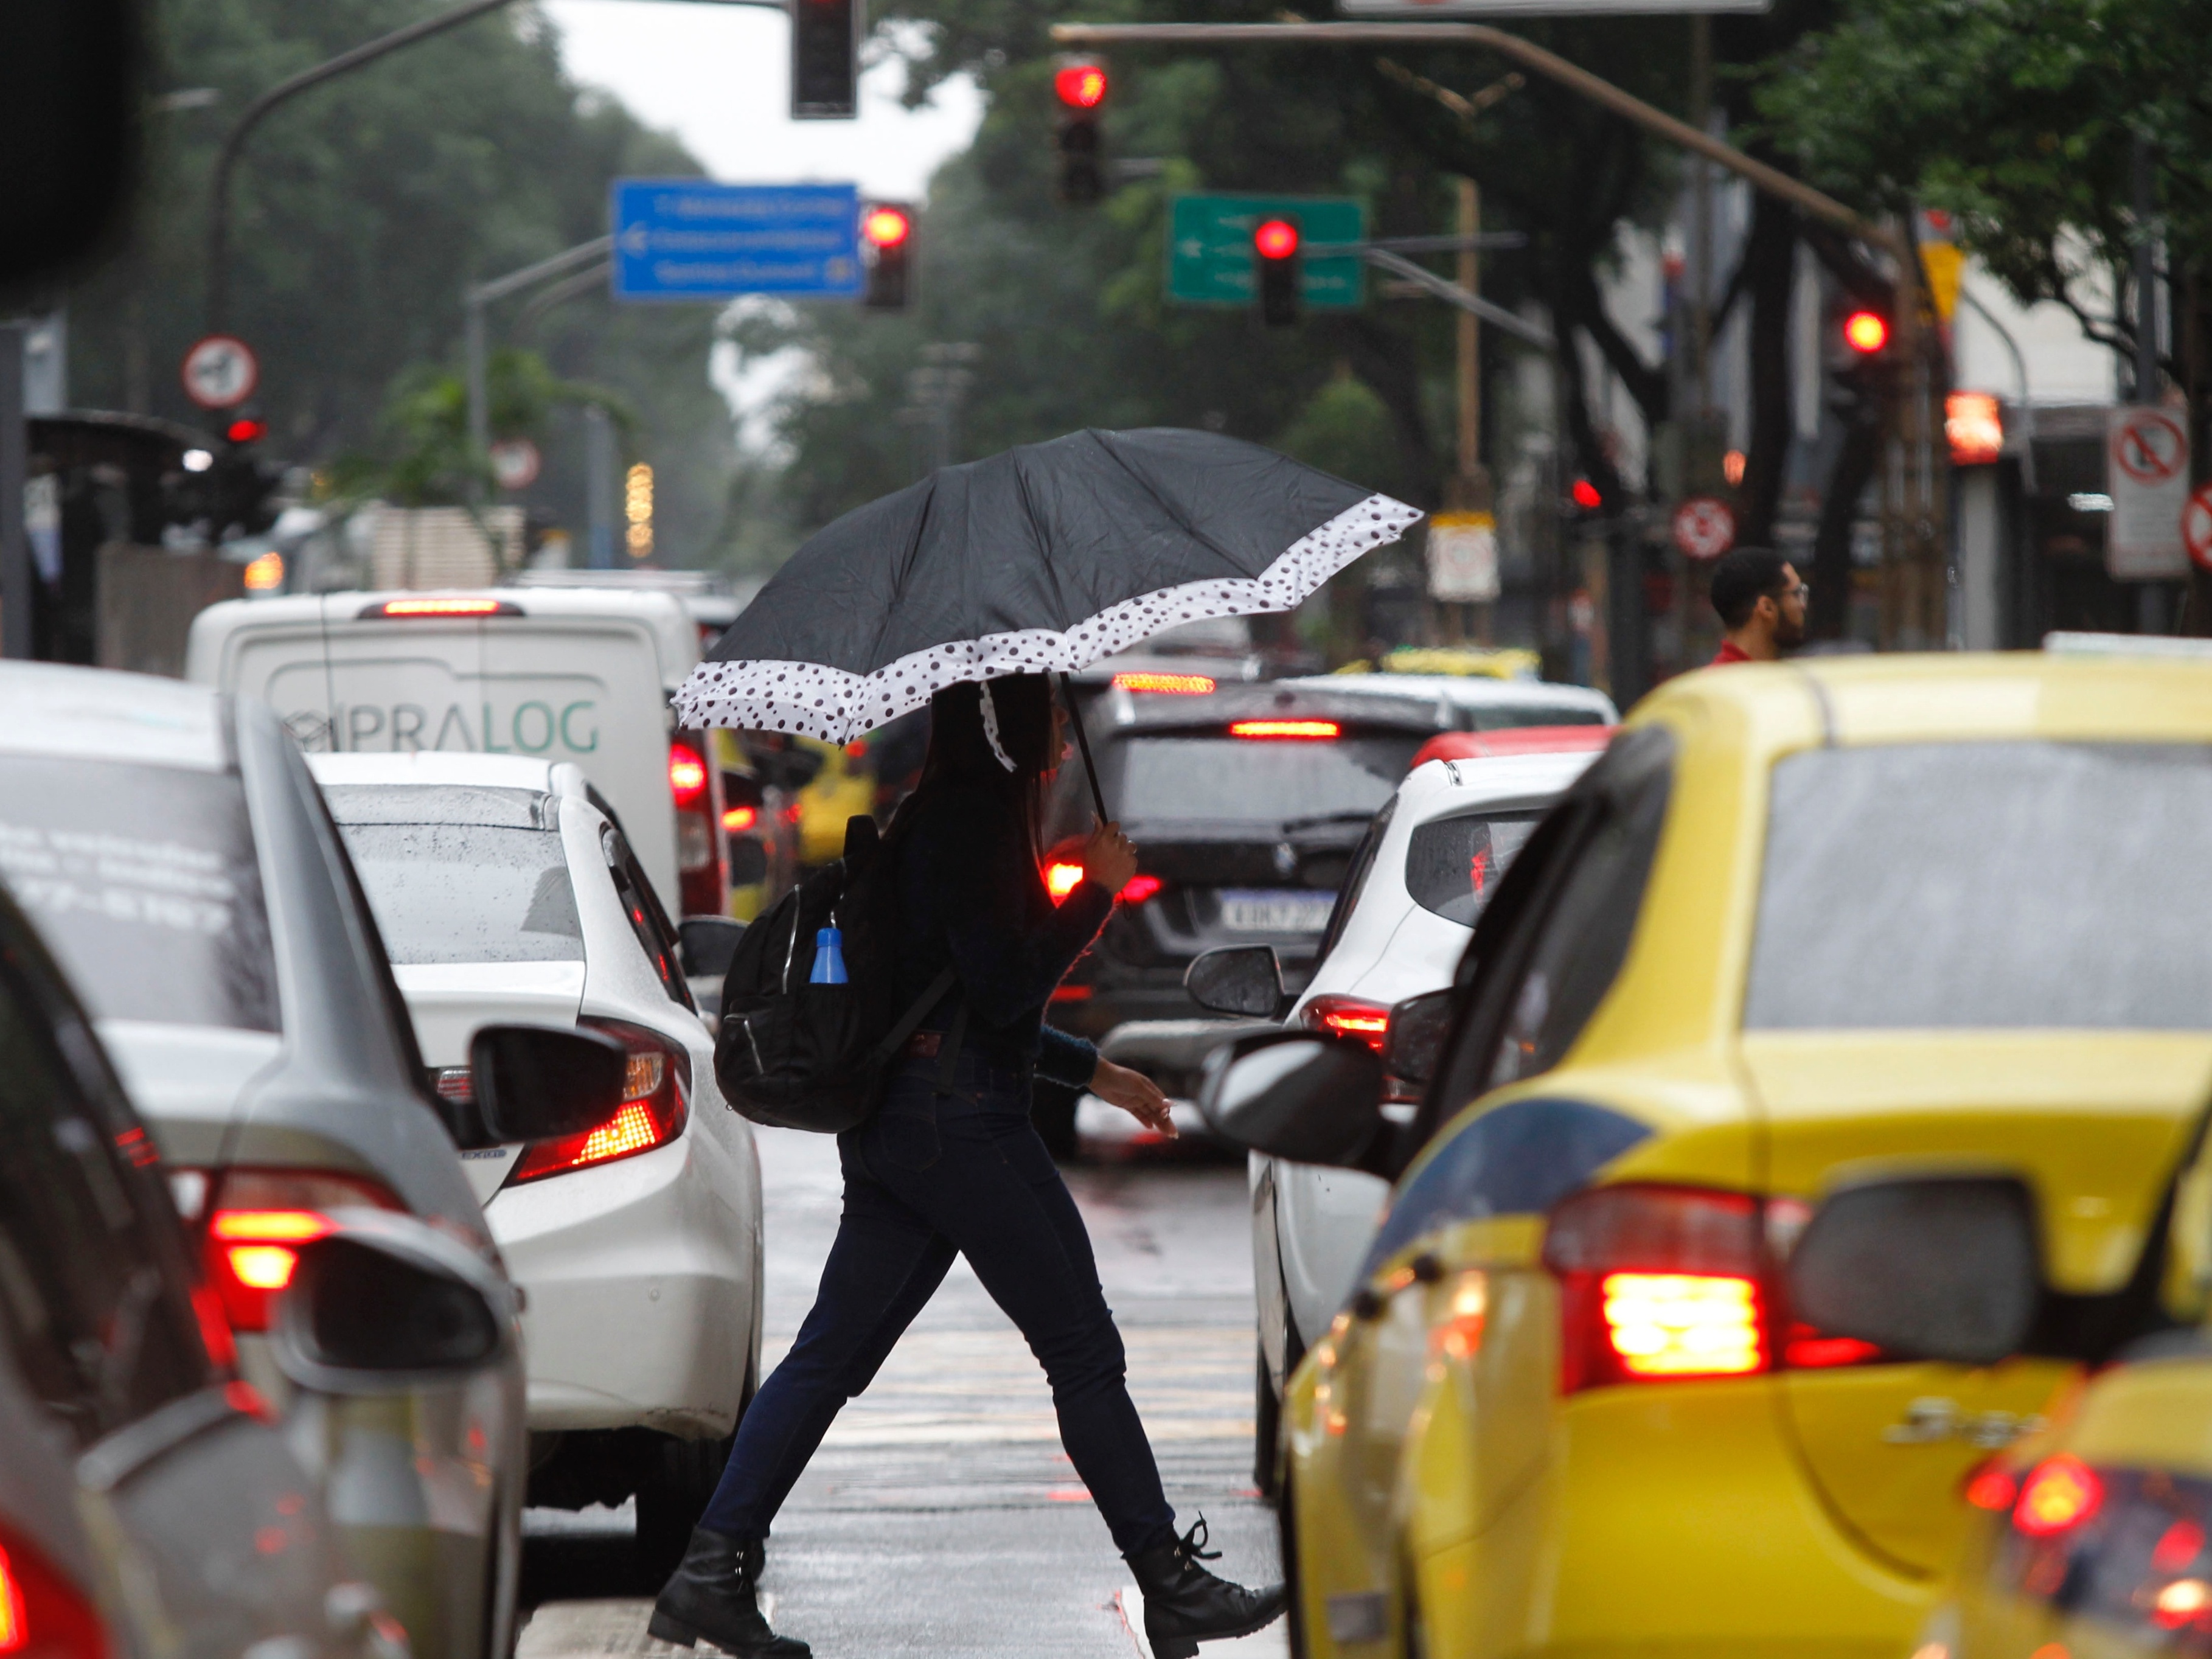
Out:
{"x": 717, "y": 77}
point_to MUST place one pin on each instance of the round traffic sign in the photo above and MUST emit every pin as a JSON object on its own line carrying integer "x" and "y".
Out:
{"x": 2197, "y": 526}
{"x": 1705, "y": 527}
{"x": 220, "y": 371}
{"x": 514, "y": 462}
{"x": 2150, "y": 446}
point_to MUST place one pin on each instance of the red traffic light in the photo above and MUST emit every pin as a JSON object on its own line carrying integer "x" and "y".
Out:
{"x": 1080, "y": 86}
{"x": 1275, "y": 238}
{"x": 1586, "y": 495}
{"x": 886, "y": 227}
{"x": 1866, "y": 332}
{"x": 245, "y": 430}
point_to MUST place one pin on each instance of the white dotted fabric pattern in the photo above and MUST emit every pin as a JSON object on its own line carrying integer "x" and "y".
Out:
{"x": 836, "y": 706}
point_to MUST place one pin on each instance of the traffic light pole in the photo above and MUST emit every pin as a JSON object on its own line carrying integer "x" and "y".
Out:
{"x": 479, "y": 296}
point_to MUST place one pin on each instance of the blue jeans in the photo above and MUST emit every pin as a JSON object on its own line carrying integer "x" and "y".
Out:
{"x": 928, "y": 1176}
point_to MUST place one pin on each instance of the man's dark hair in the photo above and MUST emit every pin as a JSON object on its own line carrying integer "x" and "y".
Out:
{"x": 1743, "y": 579}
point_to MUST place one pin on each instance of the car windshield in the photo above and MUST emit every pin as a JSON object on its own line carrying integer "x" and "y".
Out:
{"x": 1262, "y": 781}
{"x": 144, "y": 883}
{"x": 1507, "y": 717}
{"x": 2000, "y": 885}
{"x": 1453, "y": 864}
{"x": 460, "y": 875}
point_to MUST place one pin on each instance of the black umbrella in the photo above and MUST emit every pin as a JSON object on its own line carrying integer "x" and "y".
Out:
{"x": 1047, "y": 556}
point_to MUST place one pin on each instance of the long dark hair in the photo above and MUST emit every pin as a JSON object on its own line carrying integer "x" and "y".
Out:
{"x": 961, "y": 756}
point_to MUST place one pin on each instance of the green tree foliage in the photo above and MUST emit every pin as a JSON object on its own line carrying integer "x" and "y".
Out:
{"x": 2022, "y": 118}
{"x": 360, "y": 211}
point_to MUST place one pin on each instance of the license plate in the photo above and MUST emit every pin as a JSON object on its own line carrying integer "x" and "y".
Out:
{"x": 1251, "y": 912}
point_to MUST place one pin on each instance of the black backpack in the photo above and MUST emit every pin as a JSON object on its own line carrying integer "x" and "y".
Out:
{"x": 794, "y": 1054}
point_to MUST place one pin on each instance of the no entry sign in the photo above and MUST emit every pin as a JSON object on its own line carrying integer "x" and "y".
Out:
{"x": 220, "y": 371}
{"x": 2147, "y": 471}
{"x": 1705, "y": 527}
{"x": 2196, "y": 527}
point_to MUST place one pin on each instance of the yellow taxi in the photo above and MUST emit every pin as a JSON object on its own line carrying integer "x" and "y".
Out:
{"x": 843, "y": 788}
{"x": 1802, "y": 924}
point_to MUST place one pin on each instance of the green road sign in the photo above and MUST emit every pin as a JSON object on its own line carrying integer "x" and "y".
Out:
{"x": 1210, "y": 248}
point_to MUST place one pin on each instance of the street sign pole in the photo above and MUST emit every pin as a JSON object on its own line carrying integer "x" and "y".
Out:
{"x": 476, "y": 297}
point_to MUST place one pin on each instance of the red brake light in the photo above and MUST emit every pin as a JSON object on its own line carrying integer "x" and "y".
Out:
{"x": 1080, "y": 86}
{"x": 1183, "y": 686}
{"x": 257, "y": 1222}
{"x": 448, "y": 605}
{"x": 1062, "y": 878}
{"x": 740, "y": 817}
{"x": 1296, "y": 729}
{"x": 1275, "y": 238}
{"x": 1139, "y": 889}
{"x": 2059, "y": 1493}
{"x": 1683, "y": 1324}
{"x": 41, "y": 1611}
{"x": 655, "y": 1105}
{"x": 687, "y": 775}
{"x": 1349, "y": 1017}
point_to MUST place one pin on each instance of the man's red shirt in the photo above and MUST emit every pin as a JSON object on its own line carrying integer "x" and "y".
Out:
{"x": 1730, "y": 652}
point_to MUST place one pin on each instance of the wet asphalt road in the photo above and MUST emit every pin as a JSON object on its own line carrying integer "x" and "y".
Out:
{"x": 941, "y": 1517}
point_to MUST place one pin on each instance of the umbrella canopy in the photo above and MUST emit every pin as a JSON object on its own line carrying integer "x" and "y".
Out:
{"x": 1047, "y": 556}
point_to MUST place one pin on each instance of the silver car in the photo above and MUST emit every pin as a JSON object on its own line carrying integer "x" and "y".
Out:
{"x": 176, "y": 855}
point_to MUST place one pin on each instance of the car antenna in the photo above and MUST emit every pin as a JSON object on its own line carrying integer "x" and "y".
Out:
{"x": 1083, "y": 742}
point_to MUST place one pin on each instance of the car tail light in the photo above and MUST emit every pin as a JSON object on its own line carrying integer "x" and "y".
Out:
{"x": 655, "y": 1105}
{"x": 737, "y": 818}
{"x": 258, "y": 1219}
{"x": 1350, "y": 1017}
{"x": 2058, "y": 1495}
{"x": 1307, "y": 730}
{"x": 1992, "y": 1486}
{"x": 1062, "y": 877}
{"x": 698, "y": 848}
{"x": 1661, "y": 1283}
{"x": 42, "y": 1614}
{"x": 1174, "y": 685}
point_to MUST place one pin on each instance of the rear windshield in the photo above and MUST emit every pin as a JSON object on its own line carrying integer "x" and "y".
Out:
{"x": 144, "y": 881}
{"x": 1275, "y": 781}
{"x": 1508, "y": 718}
{"x": 1452, "y": 865}
{"x": 2001, "y": 885}
{"x": 460, "y": 892}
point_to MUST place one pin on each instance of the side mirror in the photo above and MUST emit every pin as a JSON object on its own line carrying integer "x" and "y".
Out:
{"x": 706, "y": 944}
{"x": 1940, "y": 1267}
{"x": 538, "y": 1082}
{"x": 1308, "y": 1096}
{"x": 739, "y": 790}
{"x": 1236, "y": 979}
{"x": 386, "y": 1302}
{"x": 1418, "y": 1026}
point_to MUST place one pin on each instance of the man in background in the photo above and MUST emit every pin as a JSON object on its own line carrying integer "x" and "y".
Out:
{"x": 1761, "y": 605}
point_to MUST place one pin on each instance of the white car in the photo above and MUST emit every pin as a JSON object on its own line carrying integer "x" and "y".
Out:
{"x": 1478, "y": 703}
{"x": 504, "y": 894}
{"x": 1429, "y": 864}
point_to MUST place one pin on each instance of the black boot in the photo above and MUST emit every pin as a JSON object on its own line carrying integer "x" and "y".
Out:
{"x": 710, "y": 1598}
{"x": 1185, "y": 1604}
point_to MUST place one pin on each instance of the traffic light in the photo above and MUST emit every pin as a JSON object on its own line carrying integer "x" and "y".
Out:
{"x": 1859, "y": 358}
{"x": 1865, "y": 332}
{"x": 825, "y": 51}
{"x": 1081, "y": 89}
{"x": 887, "y": 240}
{"x": 1275, "y": 257}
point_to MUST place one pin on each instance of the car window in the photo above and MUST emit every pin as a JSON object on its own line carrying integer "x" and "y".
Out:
{"x": 144, "y": 882}
{"x": 1355, "y": 878}
{"x": 1999, "y": 885}
{"x": 1453, "y": 865}
{"x": 1270, "y": 782}
{"x": 1505, "y": 719}
{"x": 100, "y": 1332}
{"x": 656, "y": 935}
{"x": 1516, "y": 1159}
{"x": 469, "y": 892}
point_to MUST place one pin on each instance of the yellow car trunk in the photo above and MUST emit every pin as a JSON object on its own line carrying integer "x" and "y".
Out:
{"x": 2094, "y": 1122}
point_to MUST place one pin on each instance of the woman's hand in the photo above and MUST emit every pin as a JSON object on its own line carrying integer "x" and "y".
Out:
{"x": 1135, "y": 1094}
{"x": 1107, "y": 858}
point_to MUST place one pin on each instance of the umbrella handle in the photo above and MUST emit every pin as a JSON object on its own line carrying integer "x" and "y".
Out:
{"x": 1083, "y": 743}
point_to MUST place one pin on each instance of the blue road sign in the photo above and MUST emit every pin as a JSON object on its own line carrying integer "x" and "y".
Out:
{"x": 690, "y": 239}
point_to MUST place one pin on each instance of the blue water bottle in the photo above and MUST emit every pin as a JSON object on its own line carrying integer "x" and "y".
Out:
{"x": 829, "y": 957}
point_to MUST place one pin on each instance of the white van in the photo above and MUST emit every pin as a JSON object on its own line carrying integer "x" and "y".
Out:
{"x": 565, "y": 675}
